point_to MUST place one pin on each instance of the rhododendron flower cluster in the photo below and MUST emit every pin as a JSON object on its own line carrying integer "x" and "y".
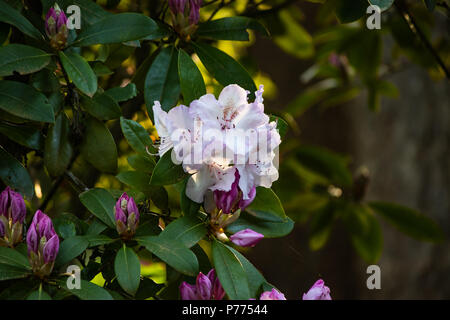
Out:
{"x": 228, "y": 145}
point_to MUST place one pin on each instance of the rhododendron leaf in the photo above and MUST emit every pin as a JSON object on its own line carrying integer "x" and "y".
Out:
{"x": 138, "y": 138}
{"x": 189, "y": 207}
{"x": 22, "y": 59}
{"x": 8, "y": 272}
{"x": 39, "y": 295}
{"x": 12, "y": 257}
{"x": 70, "y": 249}
{"x": 223, "y": 67}
{"x": 268, "y": 228}
{"x": 128, "y": 269}
{"x": 188, "y": 230}
{"x": 87, "y": 291}
{"x": 173, "y": 252}
{"x": 101, "y": 204}
{"x": 79, "y": 72}
{"x": 121, "y": 94}
{"x": 13, "y": 17}
{"x": 166, "y": 172}
{"x": 267, "y": 206}
{"x": 101, "y": 106}
{"x": 349, "y": 11}
{"x": 230, "y": 271}
{"x": 191, "y": 79}
{"x": 384, "y": 4}
{"x": 58, "y": 150}
{"x": 99, "y": 141}
{"x": 230, "y": 28}
{"x": 117, "y": 28}
{"x": 409, "y": 221}
{"x": 13, "y": 174}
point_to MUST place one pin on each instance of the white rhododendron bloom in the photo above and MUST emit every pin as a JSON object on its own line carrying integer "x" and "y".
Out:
{"x": 212, "y": 138}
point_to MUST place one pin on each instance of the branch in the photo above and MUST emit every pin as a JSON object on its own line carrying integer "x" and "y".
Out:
{"x": 411, "y": 22}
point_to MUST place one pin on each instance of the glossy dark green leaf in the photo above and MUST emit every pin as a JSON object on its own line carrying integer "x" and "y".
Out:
{"x": 166, "y": 172}
{"x": 409, "y": 221}
{"x": 22, "y": 59}
{"x": 230, "y": 272}
{"x": 100, "y": 203}
{"x": 128, "y": 269}
{"x": 102, "y": 106}
{"x": 27, "y": 136}
{"x": 138, "y": 138}
{"x": 99, "y": 147}
{"x": 266, "y": 206}
{"x": 141, "y": 163}
{"x": 70, "y": 249}
{"x": 268, "y": 228}
{"x": 87, "y": 291}
{"x": 64, "y": 228}
{"x": 191, "y": 79}
{"x": 8, "y": 272}
{"x": 174, "y": 253}
{"x": 162, "y": 83}
{"x": 230, "y": 28}
{"x": 13, "y": 17}
{"x": 24, "y": 101}
{"x": 121, "y": 94}
{"x": 117, "y": 28}
{"x": 58, "y": 150}
{"x": 320, "y": 226}
{"x": 98, "y": 240}
{"x": 13, "y": 258}
{"x": 13, "y": 174}
{"x": 188, "y": 230}
{"x": 223, "y": 67}
{"x": 79, "y": 72}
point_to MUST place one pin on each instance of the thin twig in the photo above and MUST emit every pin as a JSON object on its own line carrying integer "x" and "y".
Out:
{"x": 411, "y": 22}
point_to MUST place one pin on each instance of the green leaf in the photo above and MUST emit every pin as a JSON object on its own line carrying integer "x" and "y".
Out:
{"x": 189, "y": 207}
{"x": 326, "y": 163}
{"x": 411, "y": 222}
{"x": 121, "y": 94}
{"x": 98, "y": 147}
{"x": 101, "y": 204}
{"x": 79, "y": 72}
{"x": 166, "y": 172}
{"x": 349, "y": 11}
{"x": 70, "y": 249}
{"x": 39, "y": 295}
{"x": 13, "y": 258}
{"x": 27, "y": 136}
{"x": 266, "y": 206}
{"x": 13, "y": 17}
{"x": 8, "y": 272}
{"x": 87, "y": 291}
{"x": 321, "y": 226}
{"x": 382, "y": 4}
{"x": 102, "y": 106}
{"x": 188, "y": 230}
{"x": 98, "y": 240}
{"x": 22, "y": 59}
{"x": 230, "y": 28}
{"x": 174, "y": 253}
{"x": 282, "y": 125}
{"x": 162, "y": 83}
{"x": 230, "y": 272}
{"x": 58, "y": 150}
{"x": 64, "y": 228}
{"x": 128, "y": 269}
{"x": 24, "y": 101}
{"x": 365, "y": 233}
{"x": 140, "y": 163}
{"x": 268, "y": 228}
{"x": 223, "y": 67}
{"x": 138, "y": 138}
{"x": 117, "y": 28}
{"x": 254, "y": 277}
{"x": 13, "y": 174}
{"x": 191, "y": 79}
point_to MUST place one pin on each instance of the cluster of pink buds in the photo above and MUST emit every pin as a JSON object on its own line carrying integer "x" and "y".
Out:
{"x": 12, "y": 215}
{"x": 206, "y": 288}
{"x": 127, "y": 216}
{"x": 56, "y": 27}
{"x": 185, "y": 16}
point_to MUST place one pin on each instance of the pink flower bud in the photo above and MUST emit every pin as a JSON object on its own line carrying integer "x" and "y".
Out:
{"x": 318, "y": 292}
{"x": 51, "y": 249}
{"x": 56, "y": 27}
{"x": 12, "y": 205}
{"x": 188, "y": 291}
{"x": 274, "y": 294}
{"x": 126, "y": 215}
{"x": 232, "y": 200}
{"x": 204, "y": 287}
{"x": 246, "y": 238}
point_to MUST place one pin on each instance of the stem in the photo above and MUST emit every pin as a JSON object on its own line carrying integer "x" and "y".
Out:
{"x": 411, "y": 22}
